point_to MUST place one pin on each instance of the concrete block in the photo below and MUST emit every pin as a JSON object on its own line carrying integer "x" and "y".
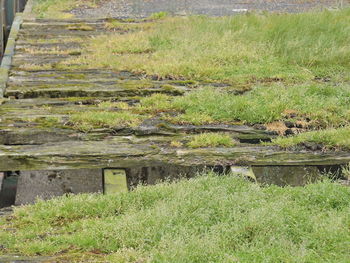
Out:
{"x": 115, "y": 181}
{"x": 48, "y": 184}
{"x": 286, "y": 175}
{"x": 2, "y": 177}
{"x": 8, "y": 185}
{"x": 156, "y": 174}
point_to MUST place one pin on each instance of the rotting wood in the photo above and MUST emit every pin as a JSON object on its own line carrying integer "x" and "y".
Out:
{"x": 47, "y": 93}
{"x": 125, "y": 153}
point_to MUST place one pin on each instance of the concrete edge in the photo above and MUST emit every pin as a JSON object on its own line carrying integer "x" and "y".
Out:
{"x": 9, "y": 53}
{"x": 28, "y": 8}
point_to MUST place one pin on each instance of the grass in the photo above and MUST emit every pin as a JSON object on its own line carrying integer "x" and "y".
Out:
{"x": 210, "y": 140}
{"x": 207, "y": 219}
{"x": 329, "y": 138}
{"x": 240, "y": 49}
{"x": 325, "y": 105}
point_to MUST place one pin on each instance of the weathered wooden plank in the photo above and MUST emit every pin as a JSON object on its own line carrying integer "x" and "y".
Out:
{"x": 124, "y": 152}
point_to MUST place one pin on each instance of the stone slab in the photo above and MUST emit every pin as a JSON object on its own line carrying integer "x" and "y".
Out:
{"x": 48, "y": 184}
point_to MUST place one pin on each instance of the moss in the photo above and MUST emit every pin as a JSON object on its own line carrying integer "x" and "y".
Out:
{"x": 80, "y": 27}
{"x": 77, "y": 99}
{"x": 72, "y": 86}
{"x": 176, "y": 144}
{"x": 36, "y": 67}
{"x": 74, "y": 53}
{"x": 49, "y": 122}
{"x": 74, "y": 76}
{"x": 89, "y": 120}
{"x": 211, "y": 140}
{"x": 185, "y": 82}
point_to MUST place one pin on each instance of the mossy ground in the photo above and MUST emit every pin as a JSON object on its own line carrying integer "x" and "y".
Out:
{"x": 207, "y": 219}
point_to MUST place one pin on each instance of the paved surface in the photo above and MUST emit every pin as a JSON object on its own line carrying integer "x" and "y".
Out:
{"x": 143, "y": 8}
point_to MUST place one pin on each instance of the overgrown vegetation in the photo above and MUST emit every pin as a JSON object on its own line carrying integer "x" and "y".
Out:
{"x": 207, "y": 219}
{"x": 277, "y": 68}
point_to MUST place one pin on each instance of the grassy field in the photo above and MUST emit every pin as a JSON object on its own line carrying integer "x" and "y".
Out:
{"x": 207, "y": 219}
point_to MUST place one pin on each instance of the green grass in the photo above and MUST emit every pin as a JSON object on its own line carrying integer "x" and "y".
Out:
{"x": 210, "y": 140}
{"x": 326, "y": 105}
{"x": 329, "y": 138}
{"x": 207, "y": 219}
{"x": 240, "y": 49}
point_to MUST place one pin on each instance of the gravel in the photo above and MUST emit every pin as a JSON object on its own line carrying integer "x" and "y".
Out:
{"x": 144, "y": 8}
